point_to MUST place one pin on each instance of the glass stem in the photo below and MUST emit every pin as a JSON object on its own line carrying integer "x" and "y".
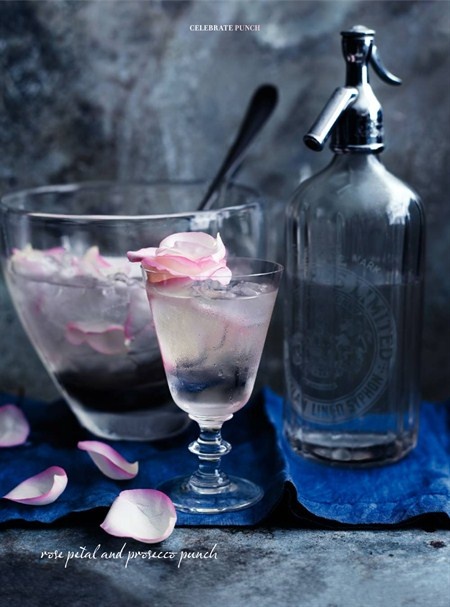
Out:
{"x": 209, "y": 447}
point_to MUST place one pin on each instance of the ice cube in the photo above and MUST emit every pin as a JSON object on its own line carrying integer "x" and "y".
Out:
{"x": 249, "y": 289}
{"x": 211, "y": 289}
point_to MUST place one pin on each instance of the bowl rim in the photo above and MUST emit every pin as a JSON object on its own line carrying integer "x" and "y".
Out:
{"x": 9, "y": 199}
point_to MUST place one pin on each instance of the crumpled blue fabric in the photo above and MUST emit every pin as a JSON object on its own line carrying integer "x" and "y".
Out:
{"x": 418, "y": 485}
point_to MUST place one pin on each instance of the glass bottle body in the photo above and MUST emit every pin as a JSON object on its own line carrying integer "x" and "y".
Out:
{"x": 355, "y": 240}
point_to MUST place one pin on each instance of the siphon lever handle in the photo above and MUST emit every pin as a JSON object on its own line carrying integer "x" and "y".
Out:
{"x": 320, "y": 130}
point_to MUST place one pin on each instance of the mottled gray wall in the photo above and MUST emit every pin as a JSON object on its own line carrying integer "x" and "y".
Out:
{"x": 124, "y": 90}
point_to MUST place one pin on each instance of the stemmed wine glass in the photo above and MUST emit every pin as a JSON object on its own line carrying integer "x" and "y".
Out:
{"x": 211, "y": 334}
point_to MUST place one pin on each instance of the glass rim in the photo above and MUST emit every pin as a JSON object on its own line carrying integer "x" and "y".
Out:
{"x": 9, "y": 200}
{"x": 276, "y": 268}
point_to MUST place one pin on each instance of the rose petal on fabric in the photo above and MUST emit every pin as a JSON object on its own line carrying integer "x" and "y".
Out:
{"x": 40, "y": 490}
{"x": 100, "y": 336}
{"x": 109, "y": 461}
{"x": 14, "y": 427}
{"x": 146, "y": 515}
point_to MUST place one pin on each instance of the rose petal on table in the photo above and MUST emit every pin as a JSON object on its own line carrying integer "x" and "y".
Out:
{"x": 14, "y": 427}
{"x": 40, "y": 490}
{"x": 146, "y": 515}
{"x": 109, "y": 461}
{"x": 100, "y": 336}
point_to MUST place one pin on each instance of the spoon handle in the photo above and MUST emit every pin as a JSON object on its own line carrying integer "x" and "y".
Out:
{"x": 259, "y": 109}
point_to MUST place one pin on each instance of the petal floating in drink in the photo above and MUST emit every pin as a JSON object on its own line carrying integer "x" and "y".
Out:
{"x": 36, "y": 263}
{"x": 40, "y": 490}
{"x": 58, "y": 262}
{"x": 146, "y": 515}
{"x": 109, "y": 461}
{"x": 100, "y": 336}
{"x": 14, "y": 427}
{"x": 194, "y": 255}
{"x": 94, "y": 264}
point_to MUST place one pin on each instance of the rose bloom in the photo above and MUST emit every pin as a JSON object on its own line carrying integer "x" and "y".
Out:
{"x": 194, "y": 255}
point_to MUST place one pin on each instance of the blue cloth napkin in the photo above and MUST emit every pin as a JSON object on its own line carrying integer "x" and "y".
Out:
{"x": 53, "y": 442}
{"x": 418, "y": 485}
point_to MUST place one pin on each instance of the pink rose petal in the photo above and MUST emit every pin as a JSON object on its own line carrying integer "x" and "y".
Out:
{"x": 193, "y": 255}
{"x": 109, "y": 461}
{"x": 40, "y": 490}
{"x": 74, "y": 334}
{"x": 94, "y": 264}
{"x": 222, "y": 275}
{"x": 36, "y": 263}
{"x": 146, "y": 515}
{"x": 141, "y": 253}
{"x": 93, "y": 257}
{"x": 100, "y": 336}
{"x": 14, "y": 427}
{"x": 57, "y": 262}
{"x": 194, "y": 245}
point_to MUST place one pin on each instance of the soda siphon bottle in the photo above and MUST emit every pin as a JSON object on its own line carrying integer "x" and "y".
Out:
{"x": 354, "y": 270}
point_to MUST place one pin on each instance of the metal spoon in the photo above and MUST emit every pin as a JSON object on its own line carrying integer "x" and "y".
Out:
{"x": 261, "y": 106}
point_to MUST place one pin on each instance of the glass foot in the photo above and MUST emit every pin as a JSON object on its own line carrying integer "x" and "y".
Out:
{"x": 236, "y": 495}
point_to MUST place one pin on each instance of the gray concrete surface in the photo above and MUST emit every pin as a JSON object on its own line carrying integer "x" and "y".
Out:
{"x": 261, "y": 568}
